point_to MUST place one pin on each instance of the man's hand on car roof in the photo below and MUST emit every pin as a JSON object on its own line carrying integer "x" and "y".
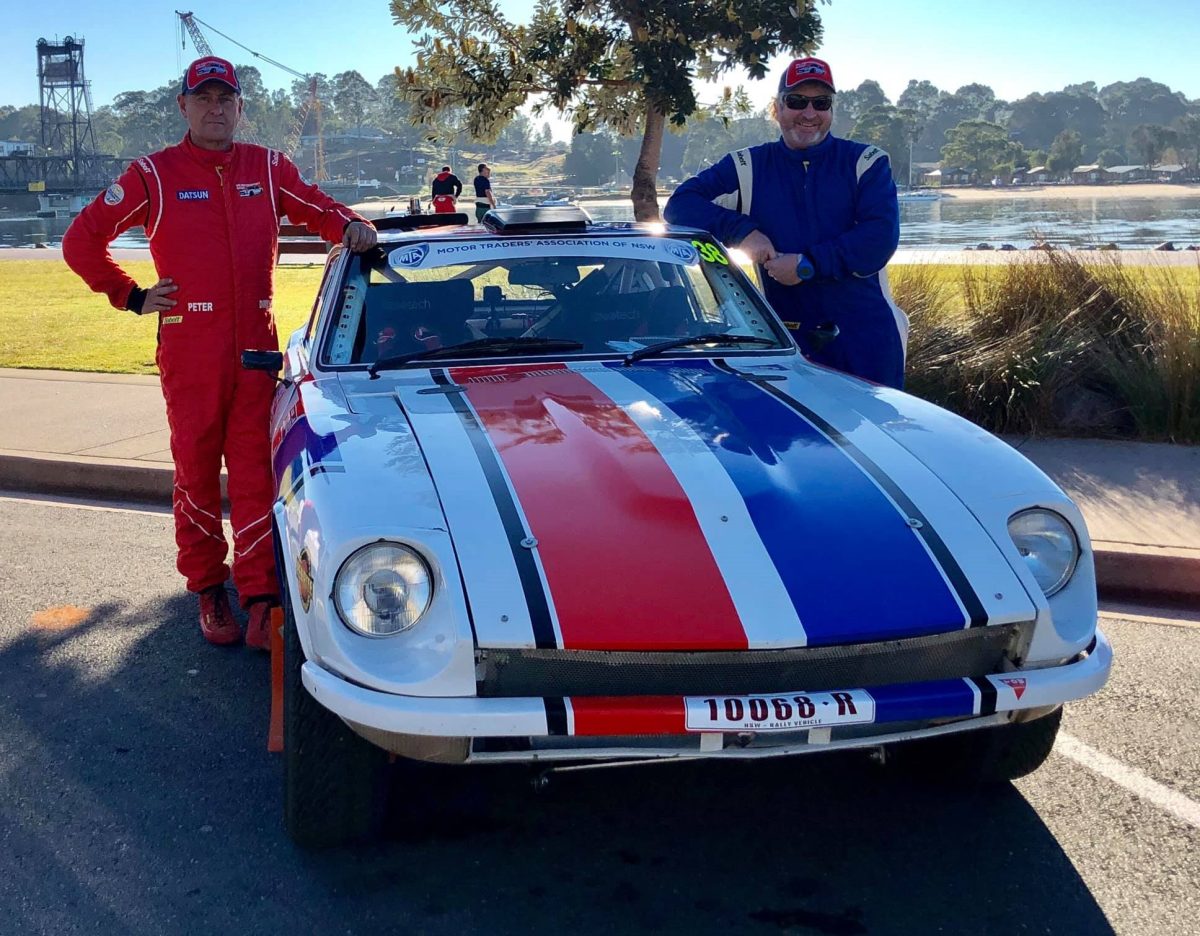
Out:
{"x": 359, "y": 236}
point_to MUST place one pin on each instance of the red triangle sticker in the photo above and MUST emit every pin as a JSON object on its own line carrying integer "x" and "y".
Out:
{"x": 1017, "y": 685}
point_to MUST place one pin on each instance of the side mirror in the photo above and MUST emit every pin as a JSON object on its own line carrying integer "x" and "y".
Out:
{"x": 269, "y": 361}
{"x": 820, "y": 336}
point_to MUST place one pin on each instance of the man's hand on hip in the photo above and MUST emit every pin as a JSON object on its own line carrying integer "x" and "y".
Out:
{"x": 359, "y": 236}
{"x": 158, "y": 297}
{"x": 757, "y": 246}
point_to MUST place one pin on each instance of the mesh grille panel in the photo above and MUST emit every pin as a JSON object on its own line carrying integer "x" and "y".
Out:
{"x": 976, "y": 651}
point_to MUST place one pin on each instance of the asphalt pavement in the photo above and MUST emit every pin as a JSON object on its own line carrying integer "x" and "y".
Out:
{"x": 138, "y": 798}
{"x": 105, "y": 435}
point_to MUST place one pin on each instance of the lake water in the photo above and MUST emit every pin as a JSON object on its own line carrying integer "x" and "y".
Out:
{"x": 944, "y": 224}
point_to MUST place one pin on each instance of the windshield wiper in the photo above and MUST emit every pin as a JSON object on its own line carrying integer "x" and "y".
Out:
{"x": 515, "y": 345}
{"x": 712, "y": 338}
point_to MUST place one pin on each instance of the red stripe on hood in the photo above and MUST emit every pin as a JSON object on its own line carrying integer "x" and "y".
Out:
{"x": 627, "y": 564}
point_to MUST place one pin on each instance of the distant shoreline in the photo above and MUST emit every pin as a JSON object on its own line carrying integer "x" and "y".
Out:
{"x": 1117, "y": 192}
{"x": 1068, "y": 192}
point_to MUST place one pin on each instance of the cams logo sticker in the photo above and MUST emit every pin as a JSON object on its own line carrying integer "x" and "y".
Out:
{"x": 408, "y": 256}
{"x": 1016, "y": 684}
{"x": 115, "y": 194}
{"x": 304, "y": 579}
{"x": 685, "y": 252}
{"x": 249, "y": 189}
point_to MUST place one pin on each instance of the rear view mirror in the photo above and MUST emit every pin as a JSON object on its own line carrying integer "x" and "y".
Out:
{"x": 545, "y": 273}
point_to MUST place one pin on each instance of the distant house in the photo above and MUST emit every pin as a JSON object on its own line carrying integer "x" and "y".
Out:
{"x": 1169, "y": 172}
{"x": 1130, "y": 173}
{"x": 1089, "y": 175}
{"x": 15, "y": 148}
{"x": 1038, "y": 175}
{"x": 945, "y": 176}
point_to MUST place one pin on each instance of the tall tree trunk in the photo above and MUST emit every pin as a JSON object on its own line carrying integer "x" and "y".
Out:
{"x": 645, "y": 174}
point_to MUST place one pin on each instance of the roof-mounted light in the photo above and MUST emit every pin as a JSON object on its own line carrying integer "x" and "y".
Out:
{"x": 537, "y": 220}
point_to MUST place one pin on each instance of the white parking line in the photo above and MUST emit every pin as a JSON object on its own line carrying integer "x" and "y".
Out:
{"x": 1132, "y": 780}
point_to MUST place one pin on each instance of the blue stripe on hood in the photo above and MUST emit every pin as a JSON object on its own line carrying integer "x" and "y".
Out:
{"x": 852, "y": 566}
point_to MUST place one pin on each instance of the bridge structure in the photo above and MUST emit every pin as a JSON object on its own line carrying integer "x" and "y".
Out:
{"x": 65, "y": 174}
{"x": 71, "y": 163}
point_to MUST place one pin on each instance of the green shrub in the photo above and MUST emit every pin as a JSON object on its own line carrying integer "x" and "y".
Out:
{"x": 1058, "y": 345}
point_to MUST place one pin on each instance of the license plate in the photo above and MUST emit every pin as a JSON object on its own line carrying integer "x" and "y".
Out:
{"x": 786, "y": 711}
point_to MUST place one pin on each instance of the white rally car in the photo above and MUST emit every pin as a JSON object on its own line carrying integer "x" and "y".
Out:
{"x": 556, "y": 491}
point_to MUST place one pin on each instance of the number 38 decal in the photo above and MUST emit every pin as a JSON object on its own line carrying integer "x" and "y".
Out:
{"x": 710, "y": 253}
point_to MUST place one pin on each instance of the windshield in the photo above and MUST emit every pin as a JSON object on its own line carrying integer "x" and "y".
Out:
{"x": 611, "y": 295}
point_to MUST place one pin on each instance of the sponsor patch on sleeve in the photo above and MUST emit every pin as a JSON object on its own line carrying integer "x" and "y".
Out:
{"x": 114, "y": 195}
{"x": 868, "y": 158}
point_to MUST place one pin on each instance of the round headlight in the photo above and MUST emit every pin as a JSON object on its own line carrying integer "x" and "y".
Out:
{"x": 1048, "y": 544}
{"x": 382, "y": 589}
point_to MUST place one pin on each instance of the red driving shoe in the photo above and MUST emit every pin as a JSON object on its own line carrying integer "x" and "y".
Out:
{"x": 258, "y": 624}
{"x": 217, "y": 623}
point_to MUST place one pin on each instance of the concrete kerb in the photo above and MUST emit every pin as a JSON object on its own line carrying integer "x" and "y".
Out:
{"x": 86, "y": 476}
{"x": 1126, "y": 571}
{"x": 1123, "y": 571}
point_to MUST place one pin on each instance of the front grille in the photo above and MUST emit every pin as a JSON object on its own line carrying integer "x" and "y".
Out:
{"x": 976, "y": 651}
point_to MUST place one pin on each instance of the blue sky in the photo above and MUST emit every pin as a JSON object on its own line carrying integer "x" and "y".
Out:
{"x": 1016, "y": 47}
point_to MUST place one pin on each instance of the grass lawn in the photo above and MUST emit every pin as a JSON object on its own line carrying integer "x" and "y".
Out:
{"x": 50, "y": 319}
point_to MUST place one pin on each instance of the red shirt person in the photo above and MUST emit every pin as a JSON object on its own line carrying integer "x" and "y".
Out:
{"x": 211, "y": 209}
{"x": 445, "y": 190}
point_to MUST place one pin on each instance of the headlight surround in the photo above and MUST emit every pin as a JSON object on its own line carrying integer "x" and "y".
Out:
{"x": 1048, "y": 544}
{"x": 382, "y": 589}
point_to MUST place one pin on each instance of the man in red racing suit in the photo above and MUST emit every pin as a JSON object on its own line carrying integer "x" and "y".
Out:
{"x": 211, "y": 209}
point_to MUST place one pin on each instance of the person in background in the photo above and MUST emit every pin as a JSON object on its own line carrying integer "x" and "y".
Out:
{"x": 820, "y": 215}
{"x": 446, "y": 189}
{"x": 485, "y": 200}
{"x": 211, "y": 208}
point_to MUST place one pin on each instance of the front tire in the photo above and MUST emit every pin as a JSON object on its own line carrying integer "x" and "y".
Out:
{"x": 984, "y": 756}
{"x": 335, "y": 783}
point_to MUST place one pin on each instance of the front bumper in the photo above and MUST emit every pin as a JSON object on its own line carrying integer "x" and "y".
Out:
{"x": 907, "y": 706}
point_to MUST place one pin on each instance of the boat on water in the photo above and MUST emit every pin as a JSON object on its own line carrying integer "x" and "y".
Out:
{"x": 60, "y": 205}
{"x": 918, "y": 195}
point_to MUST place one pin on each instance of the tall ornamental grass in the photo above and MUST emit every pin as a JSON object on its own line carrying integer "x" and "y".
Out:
{"x": 1058, "y": 345}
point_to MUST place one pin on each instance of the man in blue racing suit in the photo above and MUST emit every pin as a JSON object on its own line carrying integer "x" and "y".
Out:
{"x": 820, "y": 215}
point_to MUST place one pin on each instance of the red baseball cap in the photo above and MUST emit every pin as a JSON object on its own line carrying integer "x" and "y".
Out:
{"x": 210, "y": 68}
{"x": 806, "y": 69}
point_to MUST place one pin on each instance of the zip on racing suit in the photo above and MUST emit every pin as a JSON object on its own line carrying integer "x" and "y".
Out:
{"x": 835, "y": 203}
{"x": 212, "y": 219}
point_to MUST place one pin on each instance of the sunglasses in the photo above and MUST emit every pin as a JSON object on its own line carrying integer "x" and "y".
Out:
{"x": 800, "y": 102}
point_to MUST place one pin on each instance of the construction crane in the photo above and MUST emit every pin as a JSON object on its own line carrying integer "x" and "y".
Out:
{"x": 311, "y": 107}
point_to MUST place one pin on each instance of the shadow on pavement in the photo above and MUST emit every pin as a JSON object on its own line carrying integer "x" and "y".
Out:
{"x": 143, "y": 800}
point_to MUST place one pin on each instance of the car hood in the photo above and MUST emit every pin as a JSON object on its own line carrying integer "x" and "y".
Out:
{"x": 670, "y": 506}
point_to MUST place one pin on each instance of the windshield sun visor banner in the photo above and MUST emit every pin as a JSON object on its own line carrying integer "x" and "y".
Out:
{"x": 447, "y": 253}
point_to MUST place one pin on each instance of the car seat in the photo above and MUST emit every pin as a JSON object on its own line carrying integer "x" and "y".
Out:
{"x": 669, "y": 313}
{"x": 404, "y": 317}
